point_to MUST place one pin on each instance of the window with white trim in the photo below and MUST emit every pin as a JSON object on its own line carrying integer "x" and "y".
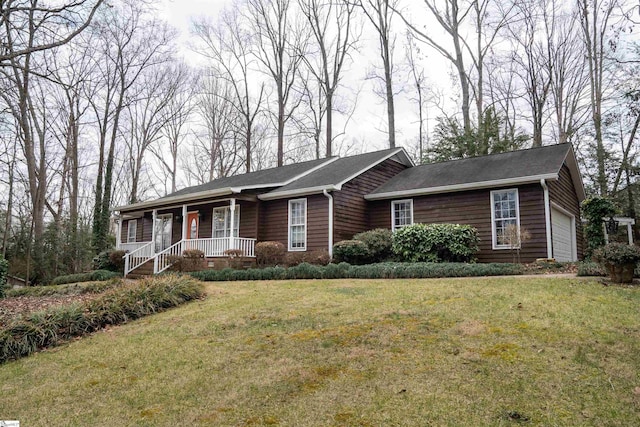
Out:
{"x": 132, "y": 228}
{"x": 505, "y": 219}
{"x": 401, "y": 214}
{"x": 222, "y": 222}
{"x": 298, "y": 225}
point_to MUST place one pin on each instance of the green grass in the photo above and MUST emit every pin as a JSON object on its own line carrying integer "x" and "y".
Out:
{"x": 452, "y": 352}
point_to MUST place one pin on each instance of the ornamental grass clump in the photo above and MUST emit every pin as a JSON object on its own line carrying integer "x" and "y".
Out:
{"x": 51, "y": 327}
{"x": 92, "y": 276}
{"x": 619, "y": 259}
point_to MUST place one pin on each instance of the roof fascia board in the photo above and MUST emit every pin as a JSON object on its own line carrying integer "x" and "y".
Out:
{"x": 461, "y": 187}
{"x": 297, "y": 192}
{"x": 374, "y": 164}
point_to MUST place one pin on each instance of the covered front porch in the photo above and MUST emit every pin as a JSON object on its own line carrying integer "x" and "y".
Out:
{"x": 156, "y": 237}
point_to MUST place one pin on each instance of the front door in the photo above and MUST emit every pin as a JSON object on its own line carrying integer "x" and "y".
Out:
{"x": 193, "y": 224}
{"x": 163, "y": 232}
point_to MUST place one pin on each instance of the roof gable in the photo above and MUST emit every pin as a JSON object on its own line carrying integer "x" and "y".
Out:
{"x": 334, "y": 175}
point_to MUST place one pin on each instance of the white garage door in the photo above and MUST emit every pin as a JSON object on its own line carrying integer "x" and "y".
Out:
{"x": 562, "y": 236}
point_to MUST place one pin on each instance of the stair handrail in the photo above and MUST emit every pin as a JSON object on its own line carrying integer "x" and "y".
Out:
{"x": 137, "y": 257}
{"x": 161, "y": 262}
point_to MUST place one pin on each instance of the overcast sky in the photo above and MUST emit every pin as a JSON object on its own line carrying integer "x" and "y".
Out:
{"x": 370, "y": 113}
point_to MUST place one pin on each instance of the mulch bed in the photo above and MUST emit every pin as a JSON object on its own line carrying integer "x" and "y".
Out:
{"x": 11, "y": 308}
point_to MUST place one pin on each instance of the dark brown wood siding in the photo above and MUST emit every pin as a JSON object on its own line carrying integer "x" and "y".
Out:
{"x": 139, "y": 230}
{"x": 350, "y": 212}
{"x": 474, "y": 208}
{"x": 274, "y": 221}
{"x": 563, "y": 193}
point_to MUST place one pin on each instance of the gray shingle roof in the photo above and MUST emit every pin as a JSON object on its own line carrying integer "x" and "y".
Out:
{"x": 512, "y": 165}
{"x": 265, "y": 178}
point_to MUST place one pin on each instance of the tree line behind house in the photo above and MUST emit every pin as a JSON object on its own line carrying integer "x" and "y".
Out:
{"x": 99, "y": 106}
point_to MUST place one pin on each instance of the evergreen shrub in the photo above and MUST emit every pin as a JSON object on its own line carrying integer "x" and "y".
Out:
{"x": 109, "y": 260}
{"x": 594, "y": 210}
{"x": 354, "y": 252}
{"x": 436, "y": 243}
{"x": 378, "y": 242}
{"x": 590, "y": 268}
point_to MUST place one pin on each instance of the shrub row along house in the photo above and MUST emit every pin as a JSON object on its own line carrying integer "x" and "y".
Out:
{"x": 312, "y": 205}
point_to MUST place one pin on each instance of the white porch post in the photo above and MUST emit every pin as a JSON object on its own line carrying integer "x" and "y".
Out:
{"x": 119, "y": 236}
{"x": 185, "y": 225}
{"x": 232, "y": 211}
{"x": 153, "y": 239}
{"x": 630, "y": 233}
{"x": 154, "y": 217}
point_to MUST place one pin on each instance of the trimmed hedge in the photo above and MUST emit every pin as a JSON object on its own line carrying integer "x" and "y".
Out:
{"x": 51, "y": 327}
{"x": 92, "y": 276}
{"x": 389, "y": 270}
{"x": 436, "y": 243}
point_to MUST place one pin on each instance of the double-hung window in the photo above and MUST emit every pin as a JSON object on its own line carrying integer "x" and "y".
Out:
{"x": 222, "y": 222}
{"x": 298, "y": 225}
{"x": 132, "y": 227}
{"x": 505, "y": 219}
{"x": 401, "y": 214}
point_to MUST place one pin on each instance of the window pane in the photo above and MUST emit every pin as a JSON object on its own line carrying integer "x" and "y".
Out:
{"x": 401, "y": 214}
{"x": 297, "y": 224}
{"x": 505, "y": 213}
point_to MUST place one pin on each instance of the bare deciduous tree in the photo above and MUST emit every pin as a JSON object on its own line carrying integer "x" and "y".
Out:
{"x": 230, "y": 45}
{"x": 595, "y": 19}
{"x": 380, "y": 14}
{"x": 335, "y": 37}
{"x": 281, "y": 43}
{"x": 29, "y": 26}
{"x": 126, "y": 41}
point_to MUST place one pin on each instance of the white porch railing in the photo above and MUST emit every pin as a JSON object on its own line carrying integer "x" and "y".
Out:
{"x": 130, "y": 247}
{"x": 213, "y": 247}
{"x": 216, "y": 247}
{"x": 138, "y": 256}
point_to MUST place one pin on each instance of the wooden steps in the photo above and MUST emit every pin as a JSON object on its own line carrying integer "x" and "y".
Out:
{"x": 145, "y": 270}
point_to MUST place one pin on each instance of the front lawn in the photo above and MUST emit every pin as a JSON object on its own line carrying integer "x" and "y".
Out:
{"x": 474, "y": 351}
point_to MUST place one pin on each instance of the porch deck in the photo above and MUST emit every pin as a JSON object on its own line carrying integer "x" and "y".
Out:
{"x": 139, "y": 253}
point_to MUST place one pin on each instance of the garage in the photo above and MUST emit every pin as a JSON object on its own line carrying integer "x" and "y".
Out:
{"x": 563, "y": 236}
